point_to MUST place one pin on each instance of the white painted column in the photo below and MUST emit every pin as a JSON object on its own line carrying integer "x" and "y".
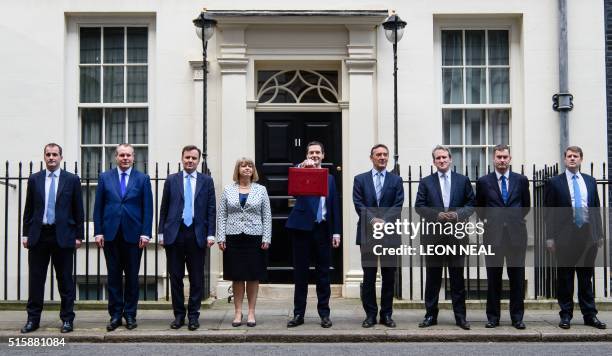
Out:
{"x": 359, "y": 134}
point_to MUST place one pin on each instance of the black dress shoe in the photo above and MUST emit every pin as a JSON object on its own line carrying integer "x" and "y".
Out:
{"x": 463, "y": 324}
{"x": 194, "y": 324}
{"x": 428, "y": 321}
{"x": 520, "y": 325}
{"x": 594, "y": 322}
{"x": 325, "y": 322}
{"x": 368, "y": 322}
{"x": 491, "y": 324}
{"x": 67, "y": 327}
{"x": 29, "y": 327}
{"x": 564, "y": 323}
{"x": 130, "y": 322}
{"x": 177, "y": 323}
{"x": 296, "y": 321}
{"x": 387, "y": 321}
{"x": 113, "y": 324}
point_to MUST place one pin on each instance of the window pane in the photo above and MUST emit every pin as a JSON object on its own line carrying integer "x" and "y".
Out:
{"x": 452, "y": 82}
{"x": 91, "y": 128}
{"x": 452, "y": 48}
{"x": 475, "y": 127}
{"x": 474, "y": 47}
{"x": 93, "y": 157}
{"x": 141, "y": 158}
{"x": 499, "y": 127}
{"x": 109, "y": 153}
{"x": 476, "y": 162}
{"x": 137, "y": 84}
{"x": 451, "y": 127}
{"x": 89, "y": 85}
{"x": 90, "y": 45}
{"x": 138, "y": 126}
{"x": 500, "y": 85}
{"x": 476, "y": 92}
{"x": 113, "y": 44}
{"x": 137, "y": 44}
{"x": 457, "y": 156}
{"x": 499, "y": 48}
{"x": 115, "y": 126}
{"x": 113, "y": 84}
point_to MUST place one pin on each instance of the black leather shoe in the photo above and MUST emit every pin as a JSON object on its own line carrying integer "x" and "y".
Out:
{"x": 387, "y": 321}
{"x": 428, "y": 321}
{"x": 194, "y": 324}
{"x": 491, "y": 324}
{"x": 67, "y": 327}
{"x": 296, "y": 321}
{"x": 113, "y": 324}
{"x": 325, "y": 322}
{"x": 520, "y": 325}
{"x": 463, "y": 324}
{"x": 368, "y": 322}
{"x": 130, "y": 322}
{"x": 29, "y": 327}
{"x": 594, "y": 322}
{"x": 237, "y": 323}
{"x": 564, "y": 323}
{"x": 177, "y": 323}
{"x": 251, "y": 324}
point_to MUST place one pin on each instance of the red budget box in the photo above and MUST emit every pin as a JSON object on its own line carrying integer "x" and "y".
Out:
{"x": 308, "y": 181}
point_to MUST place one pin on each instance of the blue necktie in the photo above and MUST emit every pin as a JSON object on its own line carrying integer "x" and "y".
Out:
{"x": 504, "y": 190}
{"x": 378, "y": 186}
{"x": 320, "y": 211}
{"x": 51, "y": 201}
{"x": 578, "y": 218}
{"x": 187, "y": 213}
{"x": 123, "y": 185}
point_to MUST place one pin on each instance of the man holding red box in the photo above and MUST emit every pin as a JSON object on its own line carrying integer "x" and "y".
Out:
{"x": 314, "y": 224}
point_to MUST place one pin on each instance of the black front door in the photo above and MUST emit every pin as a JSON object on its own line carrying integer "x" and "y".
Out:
{"x": 280, "y": 143}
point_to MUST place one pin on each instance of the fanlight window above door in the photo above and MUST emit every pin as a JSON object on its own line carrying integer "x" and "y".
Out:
{"x": 297, "y": 87}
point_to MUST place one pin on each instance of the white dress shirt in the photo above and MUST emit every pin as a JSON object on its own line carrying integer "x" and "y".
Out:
{"x": 47, "y": 187}
{"x": 583, "y": 192}
{"x": 499, "y": 182}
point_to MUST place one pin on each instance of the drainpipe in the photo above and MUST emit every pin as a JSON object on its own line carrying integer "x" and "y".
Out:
{"x": 563, "y": 101}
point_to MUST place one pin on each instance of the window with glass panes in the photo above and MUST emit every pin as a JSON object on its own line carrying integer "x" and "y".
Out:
{"x": 113, "y": 94}
{"x": 475, "y": 95}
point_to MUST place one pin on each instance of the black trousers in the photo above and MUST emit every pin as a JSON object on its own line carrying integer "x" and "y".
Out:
{"x": 186, "y": 252}
{"x": 38, "y": 261}
{"x": 122, "y": 258}
{"x": 368, "y": 291}
{"x": 433, "y": 282}
{"x": 515, "y": 266}
{"x": 318, "y": 244}
{"x": 581, "y": 252}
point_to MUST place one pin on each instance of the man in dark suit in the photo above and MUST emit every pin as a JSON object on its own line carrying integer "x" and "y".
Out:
{"x": 377, "y": 189}
{"x": 444, "y": 197}
{"x": 123, "y": 214}
{"x": 503, "y": 200}
{"x": 52, "y": 229}
{"x": 314, "y": 223}
{"x": 186, "y": 228}
{"x": 574, "y": 233}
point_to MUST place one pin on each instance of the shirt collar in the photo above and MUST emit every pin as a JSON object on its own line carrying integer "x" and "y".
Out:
{"x": 499, "y": 175}
{"x": 570, "y": 175}
{"x": 57, "y": 172}
{"x": 193, "y": 174}
{"x": 128, "y": 171}
{"x": 448, "y": 174}
{"x": 374, "y": 171}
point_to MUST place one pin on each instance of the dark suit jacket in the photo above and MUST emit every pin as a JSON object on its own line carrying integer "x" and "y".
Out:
{"x": 558, "y": 221}
{"x": 429, "y": 200}
{"x": 499, "y": 215}
{"x": 69, "y": 214}
{"x": 304, "y": 213}
{"x": 364, "y": 197}
{"x": 171, "y": 209}
{"x": 133, "y": 213}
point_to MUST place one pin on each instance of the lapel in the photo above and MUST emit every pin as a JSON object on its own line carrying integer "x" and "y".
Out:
{"x": 495, "y": 185}
{"x": 62, "y": 182}
{"x": 115, "y": 179}
{"x": 249, "y": 197}
{"x": 180, "y": 185}
{"x": 40, "y": 185}
{"x": 131, "y": 183}
{"x": 199, "y": 183}
{"x": 439, "y": 190}
{"x": 385, "y": 184}
{"x": 513, "y": 181}
{"x": 567, "y": 197}
{"x": 370, "y": 186}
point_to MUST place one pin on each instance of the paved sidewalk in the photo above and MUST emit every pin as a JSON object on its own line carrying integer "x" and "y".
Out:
{"x": 272, "y": 315}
